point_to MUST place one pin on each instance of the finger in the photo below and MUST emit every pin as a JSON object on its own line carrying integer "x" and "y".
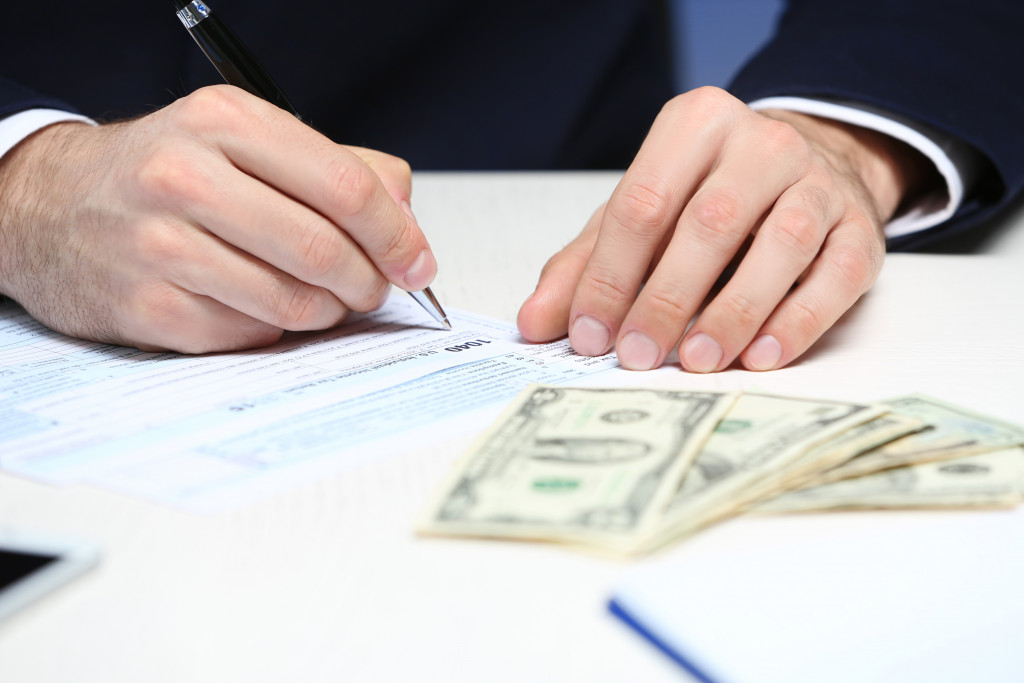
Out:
{"x": 677, "y": 153}
{"x": 267, "y": 143}
{"x": 748, "y": 179}
{"x": 848, "y": 265}
{"x": 166, "y": 317}
{"x": 200, "y": 263}
{"x": 394, "y": 172}
{"x": 784, "y": 246}
{"x": 290, "y": 237}
{"x": 545, "y": 313}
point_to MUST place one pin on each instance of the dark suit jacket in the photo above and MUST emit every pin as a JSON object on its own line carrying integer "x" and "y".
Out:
{"x": 446, "y": 84}
{"x": 456, "y": 84}
{"x": 956, "y": 65}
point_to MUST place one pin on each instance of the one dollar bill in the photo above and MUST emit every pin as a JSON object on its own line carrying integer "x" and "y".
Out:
{"x": 761, "y": 436}
{"x": 986, "y": 480}
{"x": 579, "y": 465}
{"x": 951, "y": 432}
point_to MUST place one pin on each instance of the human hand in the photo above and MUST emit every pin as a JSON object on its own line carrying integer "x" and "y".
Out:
{"x": 215, "y": 223}
{"x": 808, "y": 196}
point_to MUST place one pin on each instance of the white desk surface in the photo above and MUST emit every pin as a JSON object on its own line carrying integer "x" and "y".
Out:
{"x": 327, "y": 582}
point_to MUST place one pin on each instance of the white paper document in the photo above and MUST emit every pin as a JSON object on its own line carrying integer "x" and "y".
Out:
{"x": 202, "y": 432}
{"x": 902, "y": 597}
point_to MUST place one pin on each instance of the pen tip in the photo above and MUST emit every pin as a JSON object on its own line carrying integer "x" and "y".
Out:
{"x": 447, "y": 325}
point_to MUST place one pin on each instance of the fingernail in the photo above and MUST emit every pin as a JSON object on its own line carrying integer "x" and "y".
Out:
{"x": 407, "y": 209}
{"x": 764, "y": 353}
{"x": 422, "y": 271}
{"x": 637, "y": 351}
{"x": 701, "y": 353}
{"x": 589, "y": 336}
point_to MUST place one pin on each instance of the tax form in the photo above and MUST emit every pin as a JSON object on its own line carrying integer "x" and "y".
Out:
{"x": 211, "y": 431}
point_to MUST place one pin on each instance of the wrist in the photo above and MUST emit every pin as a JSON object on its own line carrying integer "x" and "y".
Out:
{"x": 891, "y": 171}
{"x": 33, "y": 193}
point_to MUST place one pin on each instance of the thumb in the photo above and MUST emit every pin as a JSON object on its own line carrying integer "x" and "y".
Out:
{"x": 394, "y": 173}
{"x": 544, "y": 315}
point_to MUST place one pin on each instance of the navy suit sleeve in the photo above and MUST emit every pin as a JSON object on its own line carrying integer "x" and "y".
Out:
{"x": 954, "y": 65}
{"x": 15, "y": 98}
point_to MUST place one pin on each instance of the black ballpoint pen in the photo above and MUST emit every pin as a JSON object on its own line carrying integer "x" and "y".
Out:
{"x": 239, "y": 67}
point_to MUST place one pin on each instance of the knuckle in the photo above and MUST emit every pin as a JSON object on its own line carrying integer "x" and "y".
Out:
{"x": 816, "y": 198}
{"x": 387, "y": 165}
{"x": 668, "y": 305}
{"x": 208, "y": 109}
{"x": 168, "y": 175}
{"x": 348, "y": 186}
{"x": 400, "y": 165}
{"x": 159, "y": 248}
{"x": 321, "y": 251}
{"x": 395, "y": 244}
{"x": 370, "y": 297}
{"x": 396, "y": 166}
{"x": 806, "y": 319}
{"x": 643, "y": 208}
{"x": 707, "y": 100}
{"x": 571, "y": 259}
{"x": 604, "y": 285}
{"x": 300, "y": 309}
{"x": 677, "y": 105}
{"x": 853, "y": 266}
{"x": 163, "y": 311}
{"x": 782, "y": 137}
{"x": 740, "y": 311}
{"x": 797, "y": 229}
{"x": 717, "y": 214}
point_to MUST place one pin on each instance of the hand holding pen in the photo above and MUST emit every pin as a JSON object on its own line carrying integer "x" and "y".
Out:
{"x": 239, "y": 67}
{"x": 212, "y": 224}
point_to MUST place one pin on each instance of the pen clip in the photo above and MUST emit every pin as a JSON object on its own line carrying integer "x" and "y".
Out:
{"x": 192, "y": 13}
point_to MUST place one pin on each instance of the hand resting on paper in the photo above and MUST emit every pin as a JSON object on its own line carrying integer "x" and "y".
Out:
{"x": 806, "y": 198}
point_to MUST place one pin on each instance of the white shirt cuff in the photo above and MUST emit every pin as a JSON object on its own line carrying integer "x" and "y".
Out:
{"x": 955, "y": 161}
{"x": 17, "y": 127}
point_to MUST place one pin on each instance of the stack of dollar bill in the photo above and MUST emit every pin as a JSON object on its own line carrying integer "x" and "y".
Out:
{"x": 629, "y": 471}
